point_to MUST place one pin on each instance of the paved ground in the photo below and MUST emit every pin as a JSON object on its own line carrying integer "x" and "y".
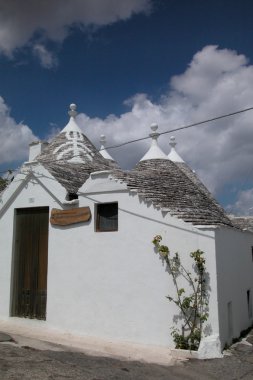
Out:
{"x": 59, "y": 362}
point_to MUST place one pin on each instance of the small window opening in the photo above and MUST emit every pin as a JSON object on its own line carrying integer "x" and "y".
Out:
{"x": 252, "y": 253}
{"x": 71, "y": 196}
{"x": 107, "y": 217}
{"x": 249, "y": 303}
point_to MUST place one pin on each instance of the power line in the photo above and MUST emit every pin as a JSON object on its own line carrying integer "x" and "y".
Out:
{"x": 162, "y": 133}
{"x": 183, "y": 127}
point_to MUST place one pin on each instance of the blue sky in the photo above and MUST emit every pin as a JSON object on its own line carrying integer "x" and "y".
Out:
{"x": 127, "y": 64}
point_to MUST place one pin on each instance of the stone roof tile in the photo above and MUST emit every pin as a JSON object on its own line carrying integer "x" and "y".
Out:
{"x": 165, "y": 185}
{"x": 243, "y": 222}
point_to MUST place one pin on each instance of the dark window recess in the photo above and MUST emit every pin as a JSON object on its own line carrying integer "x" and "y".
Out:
{"x": 107, "y": 217}
{"x": 252, "y": 253}
{"x": 71, "y": 196}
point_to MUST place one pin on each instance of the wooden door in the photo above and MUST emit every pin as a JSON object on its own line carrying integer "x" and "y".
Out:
{"x": 30, "y": 263}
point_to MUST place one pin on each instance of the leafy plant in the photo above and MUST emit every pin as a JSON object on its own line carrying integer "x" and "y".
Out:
{"x": 193, "y": 304}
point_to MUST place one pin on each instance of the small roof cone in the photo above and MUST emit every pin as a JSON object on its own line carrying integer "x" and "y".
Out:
{"x": 102, "y": 150}
{"x": 75, "y": 141}
{"x": 173, "y": 155}
{"x": 72, "y": 125}
{"x": 154, "y": 152}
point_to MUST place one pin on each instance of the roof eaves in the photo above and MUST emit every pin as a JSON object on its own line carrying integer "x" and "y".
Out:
{"x": 166, "y": 186}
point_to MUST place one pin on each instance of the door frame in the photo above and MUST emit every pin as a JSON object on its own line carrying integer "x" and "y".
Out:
{"x": 14, "y": 264}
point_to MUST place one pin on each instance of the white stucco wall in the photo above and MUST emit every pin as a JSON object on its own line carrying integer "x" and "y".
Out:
{"x": 110, "y": 284}
{"x": 20, "y": 194}
{"x": 234, "y": 277}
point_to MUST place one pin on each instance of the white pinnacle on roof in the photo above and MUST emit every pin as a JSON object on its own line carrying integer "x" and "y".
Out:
{"x": 75, "y": 144}
{"x": 154, "y": 151}
{"x": 173, "y": 155}
{"x": 103, "y": 151}
{"x": 72, "y": 125}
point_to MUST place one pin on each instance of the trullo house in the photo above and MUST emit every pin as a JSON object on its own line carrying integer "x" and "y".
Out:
{"x": 76, "y": 252}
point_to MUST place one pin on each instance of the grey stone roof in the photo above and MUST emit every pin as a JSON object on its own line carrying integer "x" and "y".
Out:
{"x": 166, "y": 185}
{"x": 243, "y": 222}
{"x": 72, "y": 175}
{"x": 194, "y": 178}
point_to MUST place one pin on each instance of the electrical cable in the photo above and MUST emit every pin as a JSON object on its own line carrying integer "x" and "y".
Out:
{"x": 161, "y": 133}
{"x": 183, "y": 127}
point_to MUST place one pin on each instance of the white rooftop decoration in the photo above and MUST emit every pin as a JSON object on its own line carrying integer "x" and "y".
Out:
{"x": 154, "y": 151}
{"x": 173, "y": 155}
{"x": 75, "y": 143}
{"x": 103, "y": 151}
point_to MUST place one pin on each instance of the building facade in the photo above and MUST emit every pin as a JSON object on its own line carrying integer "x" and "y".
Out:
{"x": 76, "y": 251}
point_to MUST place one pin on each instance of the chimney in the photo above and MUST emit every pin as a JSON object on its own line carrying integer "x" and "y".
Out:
{"x": 35, "y": 148}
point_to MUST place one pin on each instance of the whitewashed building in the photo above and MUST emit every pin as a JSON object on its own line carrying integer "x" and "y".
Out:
{"x": 76, "y": 251}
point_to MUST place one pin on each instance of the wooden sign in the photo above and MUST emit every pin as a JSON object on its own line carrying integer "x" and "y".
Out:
{"x": 67, "y": 217}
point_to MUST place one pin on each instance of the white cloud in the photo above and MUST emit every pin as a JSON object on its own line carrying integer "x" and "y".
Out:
{"x": 216, "y": 82}
{"x": 129, "y": 126}
{"x": 205, "y": 71}
{"x": 24, "y": 22}
{"x": 46, "y": 58}
{"x": 243, "y": 205}
{"x": 14, "y": 138}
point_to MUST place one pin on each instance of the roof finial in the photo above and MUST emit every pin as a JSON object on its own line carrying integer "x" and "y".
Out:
{"x": 154, "y": 151}
{"x": 72, "y": 112}
{"x": 154, "y": 134}
{"x": 72, "y": 124}
{"x": 173, "y": 142}
{"x": 173, "y": 155}
{"x": 102, "y": 140}
{"x": 103, "y": 151}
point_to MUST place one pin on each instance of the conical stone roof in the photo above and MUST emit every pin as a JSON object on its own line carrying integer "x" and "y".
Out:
{"x": 71, "y": 157}
{"x": 173, "y": 187}
{"x": 174, "y": 156}
{"x": 161, "y": 182}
